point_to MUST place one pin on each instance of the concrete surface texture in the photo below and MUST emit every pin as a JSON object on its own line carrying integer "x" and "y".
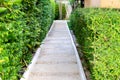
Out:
{"x": 57, "y": 59}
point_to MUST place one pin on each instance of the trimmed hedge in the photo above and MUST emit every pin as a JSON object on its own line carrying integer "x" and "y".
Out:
{"x": 98, "y": 33}
{"x": 23, "y": 25}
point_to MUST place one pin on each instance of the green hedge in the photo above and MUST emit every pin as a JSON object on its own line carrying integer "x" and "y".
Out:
{"x": 23, "y": 25}
{"x": 98, "y": 33}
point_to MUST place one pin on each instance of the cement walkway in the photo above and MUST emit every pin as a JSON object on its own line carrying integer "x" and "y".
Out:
{"x": 58, "y": 58}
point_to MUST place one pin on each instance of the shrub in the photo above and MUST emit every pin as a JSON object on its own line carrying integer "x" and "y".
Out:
{"x": 98, "y": 33}
{"x": 63, "y": 11}
{"x": 22, "y": 28}
{"x": 72, "y": 1}
{"x": 53, "y": 7}
{"x": 57, "y": 11}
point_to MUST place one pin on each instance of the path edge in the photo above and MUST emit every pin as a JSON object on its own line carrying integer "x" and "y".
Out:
{"x": 81, "y": 70}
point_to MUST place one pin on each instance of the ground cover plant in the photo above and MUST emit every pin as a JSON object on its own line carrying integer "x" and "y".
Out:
{"x": 98, "y": 33}
{"x": 23, "y": 25}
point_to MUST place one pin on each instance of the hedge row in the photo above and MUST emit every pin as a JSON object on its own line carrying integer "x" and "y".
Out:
{"x": 23, "y": 25}
{"x": 98, "y": 33}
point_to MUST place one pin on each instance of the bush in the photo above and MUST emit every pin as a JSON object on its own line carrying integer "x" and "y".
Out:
{"x": 22, "y": 28}
{"x": 98, "y": 33}
{"x": 63, "y": 11}
{"x": 72, "y": 1}
{"x": 53, "y": 8}
{"x": 57, "y": 11}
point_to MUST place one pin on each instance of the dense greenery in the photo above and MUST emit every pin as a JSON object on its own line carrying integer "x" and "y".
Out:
{"x": 72, "y": 1}
{"x": 63, "y": 11}
{"x": 23, "y": 25}
{"x": 98, "y": 33}
{"x": 57, "y": 13}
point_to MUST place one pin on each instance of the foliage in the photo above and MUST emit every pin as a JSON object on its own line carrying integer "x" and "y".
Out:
{"x": 98, "y": 33}
{"x": 22, "y": 28}
{"x": 57, "y": 11}
{"x": 2, "y": 9}
{"x": 53, "y": 7}
{"x": 63, "y": 11}
{"x": 72, "y": 1}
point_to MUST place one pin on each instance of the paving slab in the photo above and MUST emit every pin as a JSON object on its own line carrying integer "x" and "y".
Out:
{"x": 57, "y": 59}
{"x": 61, "y": 76}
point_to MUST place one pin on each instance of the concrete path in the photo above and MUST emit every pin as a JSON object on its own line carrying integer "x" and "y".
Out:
{"x": 58, "y": 59}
